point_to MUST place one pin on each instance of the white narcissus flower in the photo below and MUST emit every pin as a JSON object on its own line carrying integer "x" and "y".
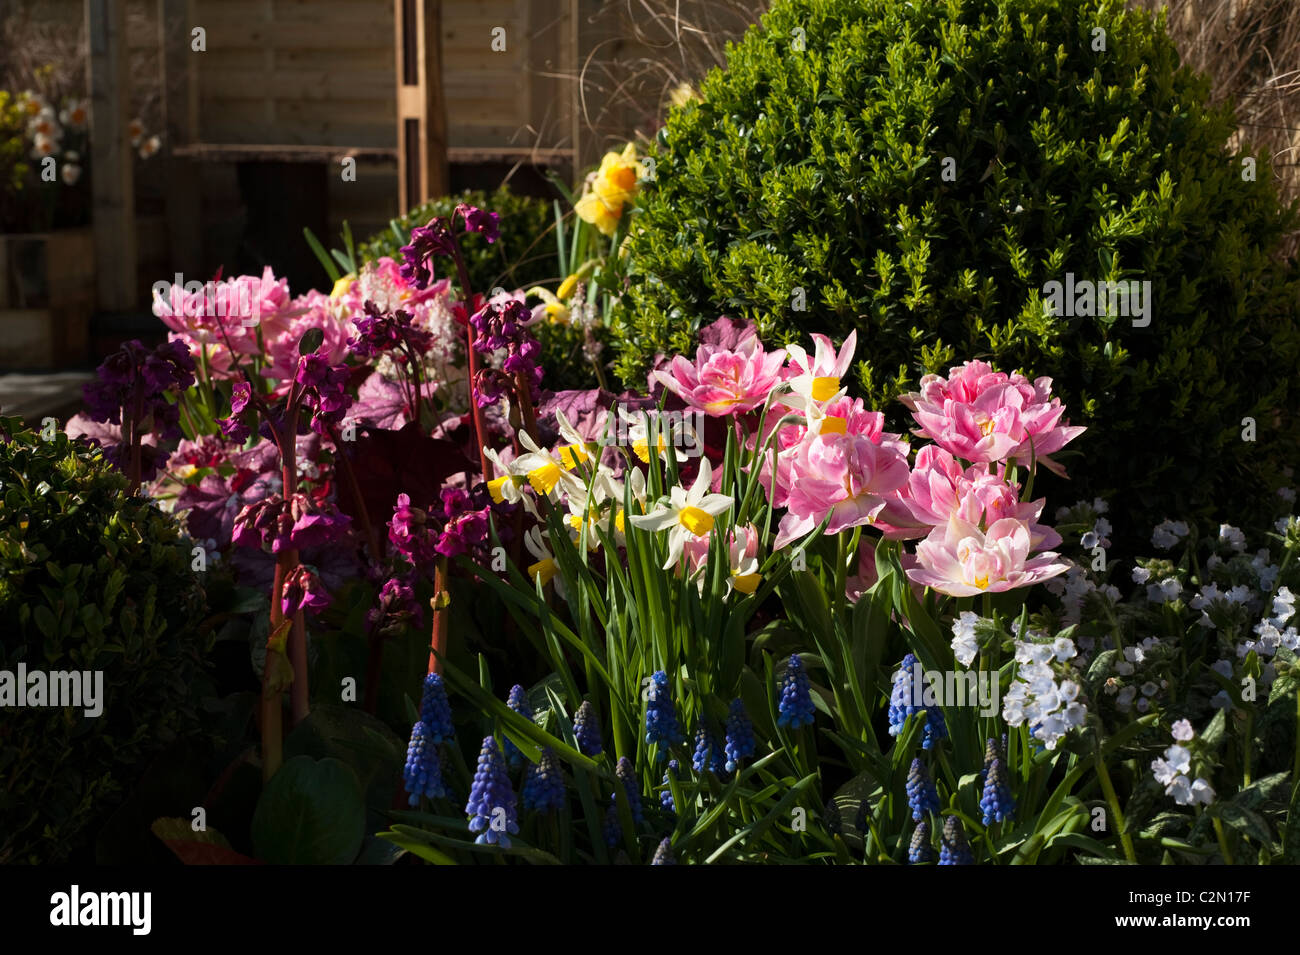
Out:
{"x": 816, "y": 380}
{"x": 507, "y": 486}
{"x": 542, "y": 469}
{"x": 545, "y": 569}
{"x": 688, "y": 513}
{"x": 669, "y": 438}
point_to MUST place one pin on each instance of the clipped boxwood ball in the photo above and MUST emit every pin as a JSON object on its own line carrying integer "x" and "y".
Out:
{"x": 920, "y": 171}
{"x": 90, "y": 580}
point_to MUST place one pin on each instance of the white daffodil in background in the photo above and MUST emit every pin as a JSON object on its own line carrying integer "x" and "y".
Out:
{"x": 578, "y": 450}
{"x": 543, "y": 471}
{"x": 591, "y": 503}
{"x": 688, "y": 514}
{"x": 816, "y": 379}
{"x": 508, "y": 486}
{"x": 544, "y": 568}
{"x": 742, "y": 559}
{"x": 672, "y": 436}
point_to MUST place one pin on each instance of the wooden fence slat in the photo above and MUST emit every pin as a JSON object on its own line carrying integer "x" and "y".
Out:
{"x": 111, "y": 155}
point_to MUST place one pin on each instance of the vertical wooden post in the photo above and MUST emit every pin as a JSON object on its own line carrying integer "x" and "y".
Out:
{"x": 421, "y": 110}
{"x": 111, "y": 155}
{"x": 180, "y": 94}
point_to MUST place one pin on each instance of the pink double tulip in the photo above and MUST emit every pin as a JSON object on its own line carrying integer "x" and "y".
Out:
{"x": 846, "y": 476}
{"x": 960, "y": 560}
{"x": 938, "y": 488}
{"x": 983, "y": 416}
{"x": 725, "y": 381}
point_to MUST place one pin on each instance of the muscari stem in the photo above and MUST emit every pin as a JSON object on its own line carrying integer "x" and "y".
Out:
{"x": 1103, "y": 776}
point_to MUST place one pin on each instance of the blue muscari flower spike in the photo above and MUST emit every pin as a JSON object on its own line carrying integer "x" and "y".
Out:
{"x": 544, "y": 784}
{"x": 996, "y": 801}
{"x": 423, "y": 771}
{"x": 708, "y": 754}
{"x": 740, "y": 736}
{"x": 586, "y": 731}
{"x": 920, "y": 850}
{"x": 627, "y": 773}
{"x": 660, "y": 716}
{"x": 612, "y": 830}
{"x": 796, "y": 706}
{"x": 517, "y": 701}
{"x": 664, "y": 854}
{"x": 666, "y": 795}
{"x": 491, "y": 792}
{"x": 921, "y": 794}
{"x": 902, "y": 704}
{"x": 955, "y": 849}
{"x": 435, "y": 710}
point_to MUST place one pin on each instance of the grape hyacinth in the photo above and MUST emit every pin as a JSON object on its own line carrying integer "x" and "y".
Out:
{"x": 955, "y": 849}
{"x": 740, "y": 736}
{"x": 544, "y": 784}
{"x": 435, "y": 709}
{"x": 796, "y": 706}
{"x": 627, "y": 773}
{"x": 996, "y": 801}
{"x": 586, "y": 732}
{"x": 660, "y": 715}
{"x": 666, "y": 796}
{"x": 903, "y": 703}
{"x": 518, "y": 702}
{"x": 423, "y": 771}
{"x": 922, "y": 796}
{"x": 920, "y": 850}
{"x": 708, "y": 753}
{"x": 664, "y": 854}
{"x": 491, "y": 805}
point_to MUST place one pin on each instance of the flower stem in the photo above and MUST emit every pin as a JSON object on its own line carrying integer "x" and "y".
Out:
{"x": 1103, "y": 776}
{"x": 476, "y": 413}
{"x": 439, "y": 604}
{"x": 1223, "y": 840}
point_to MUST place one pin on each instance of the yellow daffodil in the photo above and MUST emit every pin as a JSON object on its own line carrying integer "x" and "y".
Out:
{"x": 342, "y": 286}
{"x": 613, "y": 186}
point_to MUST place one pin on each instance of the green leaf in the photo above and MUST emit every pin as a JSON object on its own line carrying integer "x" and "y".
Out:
{"x": 311, "y": 813}
{"x": 322, "y": 256}
{"x": 311, "y": 340}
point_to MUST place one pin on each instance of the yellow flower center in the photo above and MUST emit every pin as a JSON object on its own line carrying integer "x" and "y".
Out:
{"x": 619, "y": 522}
{"x": 543, "y": 570}
{"x": 494, "y": 488}
{"x": 746, "y": 583}
{"x": 545, "y": 478}
{"x": 566, "y": 287}
{"x": 641, "y": 448}
{"x": 833, "y": 425}
{"x": 986, "y": 427}
{"x": 699, "y": 522}
{"x": 823, "y": 389}
{"x": 571, "y": 455}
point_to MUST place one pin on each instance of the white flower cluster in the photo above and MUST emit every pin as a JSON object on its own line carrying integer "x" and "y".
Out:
{"x": 1273, "y": 632}
{"x": 1233, "y": 537}
{"x": 1035, "y": 697}
{"x": 964, "y": 645}
{"x": 1165, "y": 591}
{"x": 1211, "y": 594}
{"x": 1099, "y": 536}
{"x": 1125, "y": 696}
{"x": 1173, "y": 771}
{"x": 1074, "y": 587}
{"x": 1169, "y": 533}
